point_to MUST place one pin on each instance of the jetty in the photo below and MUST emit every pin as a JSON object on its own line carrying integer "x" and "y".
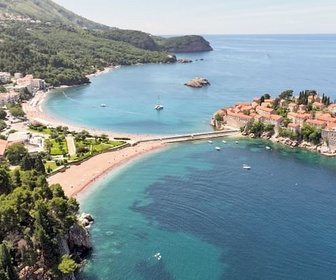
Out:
{"x": 190, "y": 137}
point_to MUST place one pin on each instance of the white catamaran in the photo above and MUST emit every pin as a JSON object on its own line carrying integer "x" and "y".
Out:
{"x": 158, "y": 105}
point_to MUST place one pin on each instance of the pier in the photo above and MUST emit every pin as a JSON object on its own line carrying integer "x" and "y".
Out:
{"x": 190, "y": 137}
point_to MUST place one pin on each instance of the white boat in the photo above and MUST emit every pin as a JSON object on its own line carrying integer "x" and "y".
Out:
{"x": 245, "y": 166}
{"x": 224, "y": 141}
{"x": 217, "y": 148}
{"x": 268, "y": 147}
{"x": 210, "y": 141}
{"x": 158, "y": 105}
{"x": 103, "y": 105}
{"x": 237, "y": 142}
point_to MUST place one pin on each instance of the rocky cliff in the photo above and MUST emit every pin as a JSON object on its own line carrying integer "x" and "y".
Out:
{"x": 190, "y": 43}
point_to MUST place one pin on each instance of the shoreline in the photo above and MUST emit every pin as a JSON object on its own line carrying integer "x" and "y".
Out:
{"x": 78, "y": 178}
{"x": 34, "y": 112}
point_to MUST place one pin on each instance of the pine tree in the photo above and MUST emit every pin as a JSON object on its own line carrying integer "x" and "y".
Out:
{"x": 5, "y": 186}
{"x": 6, "y": 266}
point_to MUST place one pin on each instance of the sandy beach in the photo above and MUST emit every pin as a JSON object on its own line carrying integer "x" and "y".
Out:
{"x": 76, "y": 178}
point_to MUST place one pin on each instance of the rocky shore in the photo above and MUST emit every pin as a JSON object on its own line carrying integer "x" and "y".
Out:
{"x": 319, "y": 148}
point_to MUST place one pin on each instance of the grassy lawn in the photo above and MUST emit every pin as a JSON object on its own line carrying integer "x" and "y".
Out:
{"x": 92, "y": 146}
{"x": 56, "y": 147}
{"x": 50, "y": 164}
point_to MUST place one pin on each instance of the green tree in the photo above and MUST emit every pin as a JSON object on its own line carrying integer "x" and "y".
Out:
{"x": 287, "y": 94}
{"x": 15, "y": 153}
{"x": 6, "y": 263}
{"x": 16, "y": 177}
{"x": 27, "y": 163}
{"x": 267, "y": 96}
{"x": 218, "y": 117}
{"x": 5, "y": 185}
{"x": 67, "y": 264}
{"x": 3, "y": 114}
{"x": 3, "y": 125}
{"x": 16, "y": 110}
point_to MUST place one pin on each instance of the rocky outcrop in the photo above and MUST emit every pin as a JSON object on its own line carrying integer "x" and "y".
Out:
{"x": 197, "y": 82}
{"x": 79, "y": 240}
{"x": 184, "y": 60}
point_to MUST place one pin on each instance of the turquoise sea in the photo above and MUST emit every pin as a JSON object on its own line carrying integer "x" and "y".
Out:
{"x": 206, "y": 216}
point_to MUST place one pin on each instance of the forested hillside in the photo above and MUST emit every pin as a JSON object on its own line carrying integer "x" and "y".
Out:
{"x": 33, "y": 219}
{"x": 63, "y": 54}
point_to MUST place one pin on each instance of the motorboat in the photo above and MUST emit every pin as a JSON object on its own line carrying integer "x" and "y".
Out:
{"x": 103, "y": 105}
{"x": 245, "y": 166}
{"x": 217, "y": 148}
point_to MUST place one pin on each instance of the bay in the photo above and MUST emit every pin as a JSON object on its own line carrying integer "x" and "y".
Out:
{"x": 207, "y": 216}
{"x": 239, "y": 68}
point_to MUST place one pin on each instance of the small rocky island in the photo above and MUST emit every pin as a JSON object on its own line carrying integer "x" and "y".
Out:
{"x": 197, "y": 83}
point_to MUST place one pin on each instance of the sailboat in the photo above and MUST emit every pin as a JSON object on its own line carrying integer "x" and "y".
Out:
{"x": 158, "y": 105}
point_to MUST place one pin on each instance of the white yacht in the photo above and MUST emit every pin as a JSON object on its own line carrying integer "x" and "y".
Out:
{"x": 245, "y": 166}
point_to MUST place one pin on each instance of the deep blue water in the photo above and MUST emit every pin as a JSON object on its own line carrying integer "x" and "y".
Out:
{"x": 207, "y": 216}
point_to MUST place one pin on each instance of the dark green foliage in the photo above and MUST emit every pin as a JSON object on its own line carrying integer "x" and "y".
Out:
{"x": 218, "y": 117}
{"x": 286, "y": 133}
{"x": 311, "y": 133}
{"x": 189, "y": 43}
{"x": 266, "y": 96}
{"x": 15, "y": 110}
{"x": 262, "y": 99}
{"x": 65, "y": 55}
{"x": 35, "y": 162}
{"x": 3, "y": 114}
{"x": 36, "y": 214}
{"x": 7, "y": 269}
{"x": 136, "y": 38}
{"x": 287, "y": 94}
{"x": 5, "y": 186}
{"x": 15, "y": 153}
{"x": 258, "y": 128}
{"x": 3, "y": 125}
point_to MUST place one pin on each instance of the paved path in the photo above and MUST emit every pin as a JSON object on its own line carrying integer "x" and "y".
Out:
{"x": 192, "y": 137}
{"x": 71, "y": 145}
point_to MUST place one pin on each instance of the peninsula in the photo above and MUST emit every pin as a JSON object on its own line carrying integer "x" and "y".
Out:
{"x": 307, "y": 120}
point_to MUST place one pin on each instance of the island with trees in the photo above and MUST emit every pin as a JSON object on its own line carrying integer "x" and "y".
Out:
{"x": 307, "y": 120}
